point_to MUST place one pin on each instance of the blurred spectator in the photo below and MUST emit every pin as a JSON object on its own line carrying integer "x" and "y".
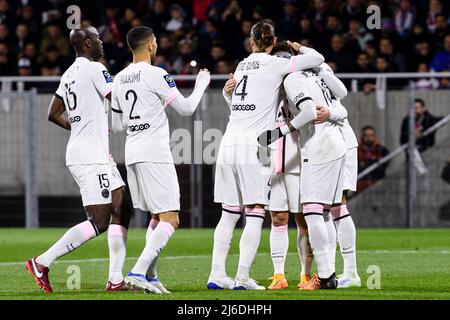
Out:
{"x": 404, "y": 18}
{"x": 53, "y": 36}
{"x": 396, "y": 60}
{"x": 339, "y": 54}
{"x": 422, "y": 54}
{"x": 287, "y": 23}
{"x": 184, "y": 56}
{"x": 222, "y": 67}
{"x": 6, "y": 65}
{"x": 22, "y": 36}
{"x": 353, "y": 10}
{"x": 335, "y": 27}
{"x": 176, "y": 21}
{"x": 425, "y": 83}
{"x": 435, "y": 7}
{"x": 158, "y": 17}
{"x": 53, "y": 63}
{"x": 442, "y": 29}
{"x": 363, "y": 65}
{"x": 24, "y": 67}
{"x": 423, "y": 121}
{"x": 370, "y": 150}
{"x": 441, "y": 61}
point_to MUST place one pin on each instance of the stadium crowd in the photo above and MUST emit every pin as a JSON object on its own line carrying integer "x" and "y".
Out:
{"x": 414, "y": 35}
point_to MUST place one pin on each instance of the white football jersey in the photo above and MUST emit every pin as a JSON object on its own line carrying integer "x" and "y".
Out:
{"x": 142, "y": 91}
{"x": 255, "y": 98}
{"x": 285, "y": 155}
{"x": 82, "y": 88}
{"x": 347, "y": 131}
{"x": 319, "y": 143}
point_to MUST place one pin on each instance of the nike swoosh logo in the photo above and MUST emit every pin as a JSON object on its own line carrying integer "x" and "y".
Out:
{"x": 115, "y": 286}
{"x": 345, "y": 249}
{"x": 36, "y": 272}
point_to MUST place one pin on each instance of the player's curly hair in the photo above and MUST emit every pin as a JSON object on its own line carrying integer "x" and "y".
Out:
{"x": 263, "y": 34}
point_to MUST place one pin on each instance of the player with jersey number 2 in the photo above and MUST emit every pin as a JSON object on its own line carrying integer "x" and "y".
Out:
{"x": 79, "y": 106}
{"x": 141, "y": 94}
{"x": 242, "y": 176}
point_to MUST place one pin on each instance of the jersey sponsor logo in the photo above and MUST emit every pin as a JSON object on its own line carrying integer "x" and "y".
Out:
{"x": 139, "y": 127}
{"x": 243, "y": 107}
{"x": 298, "y": 97}
{"x": 107, "y": 76}
{"x": 284, "y": 56}
{"x": 105, "y": 193}
{"x": 75, "y": 119}
{"x": 170, "y": 81}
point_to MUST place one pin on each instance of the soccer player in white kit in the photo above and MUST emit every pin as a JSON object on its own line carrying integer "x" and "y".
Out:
{"x": 322, "y": 149}
{"x": 78, "y": 106}
{"x": 141, "y": 92}
{"x": 242, "y": 175}
{"x": 346, "y": 230}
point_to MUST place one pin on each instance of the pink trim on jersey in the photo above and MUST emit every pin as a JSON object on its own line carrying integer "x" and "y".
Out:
{"x": 255, "y": 211}
{"x": 166, "y": 227}
{"x": 280, "y": 228}
{"x": 344, "y": 209}
{"x": 106, "y": 93}
{"x": 170, "y": 98}
{"x": 313, "y": 207}
{"x": 326, "y": 207}
{"x": 293, "y": 64}
{"x": 335, "y": 211}
{"x": 87, "y": 230}
{"x": 153, "y": 223}
{"x": 118, "y": 230}
{"x": 232, "y": 208}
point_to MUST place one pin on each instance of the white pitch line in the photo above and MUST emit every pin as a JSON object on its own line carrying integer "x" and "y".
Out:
{"x": 15, "y": 263}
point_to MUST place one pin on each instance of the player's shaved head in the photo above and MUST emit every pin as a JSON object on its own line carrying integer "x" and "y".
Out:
{"x": 139, "y": 36}
{"x": 86, "y": 42}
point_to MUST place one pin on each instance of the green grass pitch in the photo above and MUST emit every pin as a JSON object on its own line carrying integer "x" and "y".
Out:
{"x": 414, "y": 264}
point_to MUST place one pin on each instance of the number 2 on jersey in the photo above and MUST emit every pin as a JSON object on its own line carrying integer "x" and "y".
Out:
{"x": 242, "y": 94}
{"x": 132, "y": 104}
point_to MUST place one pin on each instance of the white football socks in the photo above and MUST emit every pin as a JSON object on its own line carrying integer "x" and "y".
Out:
{"x": 279, "y": 245}
{"x": 318, "y": 237}
{"x": 331, "y": 230}
{"x": 72, "y": 239}
{"x": 222, "y": 239}
{"x": 151, "y": 272}
{"x": 117, "y": 244}
{"x": 347, "y": 237}
{"x": 249, "y": 243}
{"x": 155, "y": 244}
{"x": 304, "y": 251}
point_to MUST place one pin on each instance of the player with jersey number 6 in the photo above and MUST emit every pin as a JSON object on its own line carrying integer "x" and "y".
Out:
{"x": 141, "y": 94}
{"x": 242, "y": 174}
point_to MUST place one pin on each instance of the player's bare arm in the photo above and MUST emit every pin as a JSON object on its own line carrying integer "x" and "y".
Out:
{"x": 57, "y": 113}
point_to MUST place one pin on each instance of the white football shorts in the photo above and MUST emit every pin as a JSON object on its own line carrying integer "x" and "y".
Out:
{"x": 241, "y": 177}
{"x": 154, "y": 187}
{"x": 322, "y": 183}
{"x": 94, "y": 181}
{"x": 285, "y": 193}
{"x": 116, "y": 178}
{"x": 350, "y": 170}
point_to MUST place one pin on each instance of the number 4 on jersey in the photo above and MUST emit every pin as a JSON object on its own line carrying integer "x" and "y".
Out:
{"x": 242, "y": 94}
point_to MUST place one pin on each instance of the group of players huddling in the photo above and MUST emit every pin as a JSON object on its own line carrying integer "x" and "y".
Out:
{"x": 288, "y": 148}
